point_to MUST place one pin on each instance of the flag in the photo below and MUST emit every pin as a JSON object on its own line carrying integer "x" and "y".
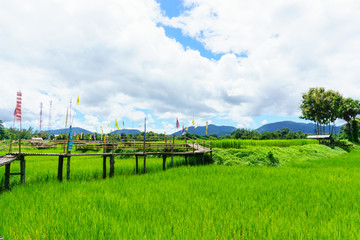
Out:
{"x": 123, "y": 123}
{"x": 81, "y": 135}
{"x": 108, "y": 125}
{"x": 102, "y": 131}
{"x": 105, "y": 139}
{"x": 193, "y": 122}
{"x": 18, "y": 106}
{"x": 195, "y": 126}
{"x": 67, "y": 115}
{"x": 182, "y": 130}
{"x": 177, "y": 123}
{"x": 78, "y": 100}
{"x": 90, "y": 137}
{"x": 206, "y": 127}
{"x": 94, "y": 135}
{"x": 70, "y": 146}
{"x": 139, "y": 126}
{"x": 187, "y": 128}
{"x": 116, "y": 124}
{"x": 15, "y": 112}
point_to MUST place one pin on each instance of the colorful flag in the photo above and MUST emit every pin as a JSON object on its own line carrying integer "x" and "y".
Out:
{"x": 81, "y": 135}
{"x": 177, "y": 123}
{"x": 139, "y": 125}
{"x": 102, "y": 131}
{"x": 193, "y": 122}
{"x": 123, "y": 123}
{"x": 18, "y": 106}
{"x": 116, "y": 124}
{"x": 182, "y": 130}
{"x": 187, "y": 128}
{"x": 78, "y": 100}
{"x": 206, "y": 127}
{"x": 15, "y": 112}
{"x": 105, "y": 139}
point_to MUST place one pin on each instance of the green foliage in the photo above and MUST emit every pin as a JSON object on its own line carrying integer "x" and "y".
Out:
{"x": 273, "y": 156}
{"x": 232, "y": 143}
{"x": 312, "y": 199}
{"x": 2, "y": 130}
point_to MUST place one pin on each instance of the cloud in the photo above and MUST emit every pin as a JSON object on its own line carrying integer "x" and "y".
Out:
{"x": 116, "y": 56}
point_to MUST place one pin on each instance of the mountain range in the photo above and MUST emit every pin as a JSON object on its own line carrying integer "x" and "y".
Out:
{"x": 295, "y": 126}
{"x": 212, "y": 129}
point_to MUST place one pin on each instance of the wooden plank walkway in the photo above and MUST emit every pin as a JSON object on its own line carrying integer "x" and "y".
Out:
{"x": 4, "y": 160}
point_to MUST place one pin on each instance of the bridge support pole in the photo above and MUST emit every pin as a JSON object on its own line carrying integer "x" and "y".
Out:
{"x": 172, "y": 160}
{"x": 137, "y": 164}
{"x": 202, "y": 158}
{"x": 68, "y": 168}
{"x": 60, "y": 168}
{"x": 112, "y": 167}
{"x": 22, "y": 169}
{"x": 144, "y": 163}
{"x": 164, "y": 162}
{"x": 186, "y": 160}
{"x": 7, "y": 176}
{"x": 104, "y": 166}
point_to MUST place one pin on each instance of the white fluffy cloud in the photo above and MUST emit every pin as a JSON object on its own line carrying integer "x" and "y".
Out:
{"x": 117, "y": 57}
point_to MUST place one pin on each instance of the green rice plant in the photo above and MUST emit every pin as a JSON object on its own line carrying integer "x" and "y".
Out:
{"x": 239, "y": 143}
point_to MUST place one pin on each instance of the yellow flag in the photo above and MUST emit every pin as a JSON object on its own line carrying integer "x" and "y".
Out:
{"x": 77, "y": 137}
{"x": 108, "y": 124}
{"x": 67, "y": 115}
{"x": 102, "y": 131}
{"x": 116, "y": 124}
{"x": 195, "y": 126}
{"x": 81, "y": 135}
{"x": 187, "y": 128}
{"x": 139, "y": 126}
{"x": 206, "y": 127}
{"x": 105, "y": 139}
{"x": 193, "y": 122}
{"x": 78, "y": 100}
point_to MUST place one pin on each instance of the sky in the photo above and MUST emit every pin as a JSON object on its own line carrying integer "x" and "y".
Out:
{"x": 232, "y": 62}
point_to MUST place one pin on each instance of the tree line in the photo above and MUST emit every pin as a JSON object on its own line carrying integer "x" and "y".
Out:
{"x": 325, "y": 107}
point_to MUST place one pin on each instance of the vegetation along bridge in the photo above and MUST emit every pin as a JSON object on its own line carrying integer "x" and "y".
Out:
{"x": 110, "y": 150}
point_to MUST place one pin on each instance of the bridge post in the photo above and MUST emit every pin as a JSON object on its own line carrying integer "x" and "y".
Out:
{"x": 144, "y": 163}
{"x": 22, "y": 169}
{"x": 186, "y": 160}
{"x": 7, "y": 176}
{"x": 60, "y": 168}
{"x": 104, "y": 166}
{"x": 137, "y": 164}
{"x": 164, "y": 162}
{"x": 112, "y": 167}
{"x": 203, "y": 158}
{"x": 68, "y": 168}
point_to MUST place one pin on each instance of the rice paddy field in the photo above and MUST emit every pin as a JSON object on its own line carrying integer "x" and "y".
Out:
{"x": 311, "y": 192}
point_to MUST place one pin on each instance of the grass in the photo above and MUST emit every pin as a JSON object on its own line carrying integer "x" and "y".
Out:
{"x": 239, "y": 143}
{"x": 313, "y": 198}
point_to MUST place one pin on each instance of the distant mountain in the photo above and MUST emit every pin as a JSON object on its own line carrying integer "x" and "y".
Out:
{"x": 212, "y": 129}
{"x": 303, "y": 127}
{"x": 75, "y": 130}
{"x": 126, "y": 131}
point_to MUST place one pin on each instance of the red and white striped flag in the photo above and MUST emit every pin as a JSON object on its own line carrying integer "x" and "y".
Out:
{"x": 18, "y": 106}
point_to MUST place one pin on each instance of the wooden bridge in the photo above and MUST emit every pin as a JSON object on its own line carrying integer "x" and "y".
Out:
{"x": 191, "y": 149}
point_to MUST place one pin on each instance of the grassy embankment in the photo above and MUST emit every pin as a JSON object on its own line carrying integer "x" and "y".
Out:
{"x": 305, "y": 198}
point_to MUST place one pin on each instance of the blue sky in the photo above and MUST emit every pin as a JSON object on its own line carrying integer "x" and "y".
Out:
{"x": 232, "y": 62}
